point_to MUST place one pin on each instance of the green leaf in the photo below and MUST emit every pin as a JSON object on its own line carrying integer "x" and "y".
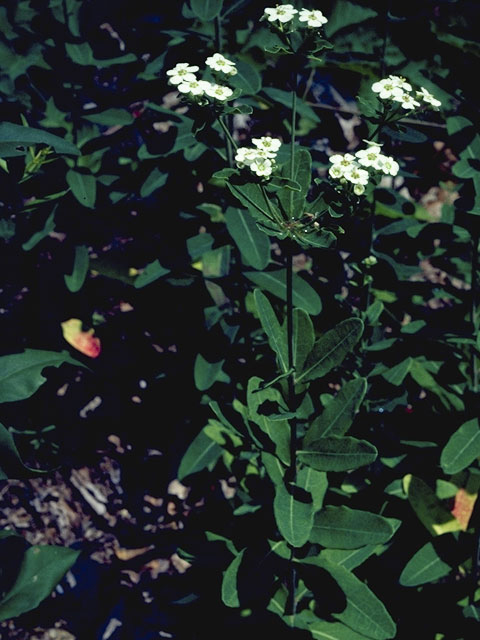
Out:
{"x": 75, "y": 281}
{"x": 21, "y": 373}
{"x": 206, "y": 373}
{"x": 425, "y": 566}
{"x": 322, "y": 630}
{"x": 285, "y": 98}
{"x": 304, "y": 296}
{"x": 15, "y": 135}
{"x": 303, "y": 337}
{"x": 40, "y": 235}
{"x": 206, "y": 10}
{"x": 277, "y": 430}
{"x": 330, "y": 350}
{"x": 337, "y": 454}
{"x": 364, "y": 612}
{"x": 315, "y": 482}
{"x": 229, "y": 582}
{"x": 302, "y": 174}
{"x": 202, "y": 453}
{"x": 11, "y": 465}
{"x": 338, "y": 415}
{"x": 41, "y": 570}
{"x": 199, "y": 244}
{"x": 345, "y": 528}
{"x": 254, "y": 199}
{"x": 247, "y": 78}
{"x": 271, "y": 326}
{"x": 274, "y": 467}
{"x": 346, "y": 13}
{"x": 349, "y": 558}
{"x": 155, "y": 180}
{"x": 110, "y": 117}
{"x": 254, "y": 245}
{"x": 83, "y": 186}
{"x": 293, "y": 511}
{"x": 396, "y": 375}
{"x": 429, "y": 509}
{"x": 462, "y": 448}
{"x": 151, "y": 272}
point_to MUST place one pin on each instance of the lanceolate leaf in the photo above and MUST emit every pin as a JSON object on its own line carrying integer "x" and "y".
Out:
{"x": 429, "y": 509}
{"x": 20, "y": 136}
{"x": 206, "y": 373}
{"x": 271, "y": 326}
{"x": 11, "y": 465}
{"x": 254, "y": 245}
{"x": 462, "y": 448}
{"x": 21, "y": 373}
{"x": 322, "y": 630}
{"x": 247, "y": 78}
{"x": 302, "y": 175}
{"x": 336, "y": 418}
{"x": 330, "y": 350}
{"x": 277, "y": 430}
{"x": 293, "y": 511}
{"x": 303, "y": 337}
{"x": 345, "y": 528}
{"x": 364, "y": 612}
{"x": 315, "y": 482}
{"x": 201, "y": 453}
{"x": 153, "y": 271}
{"x": 75, "y": 280}
{"x": 155, "y": 180}
{"x": 337, "y": 454}
{"x": 41, "y": 570}
{"x": 206, "y": 10}
{"x": 304, "y": 296}
{"x": 229, "y": 583}
{"x": 83, "y": 186}
{"x": 425, "y": 566}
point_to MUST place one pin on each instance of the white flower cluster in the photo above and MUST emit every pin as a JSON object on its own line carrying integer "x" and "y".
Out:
{"x": 353, "y": 168}
{"x": 398, "y": 89}
{"x": 183, "y": 77}
{"x": 284, "y": 13}
{"x": 261, "y": 158}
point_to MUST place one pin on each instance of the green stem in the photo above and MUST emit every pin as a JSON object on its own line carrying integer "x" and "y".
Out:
{"x": 474, "y": 307}
{"x": 292, "y": 138}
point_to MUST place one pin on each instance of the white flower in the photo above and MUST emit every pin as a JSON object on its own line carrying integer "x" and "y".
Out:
{"x": 407, "y": 101}
{"x": 370, "y": 157}
{"x": 358, "y": 189}
{"x": 182, "y": 72}
{"x": 340, "y": 164}
{"x": 192, "y": 86}
{"x": 426, "y": 96}
{"x": 336, "y": 171}
{"x": 245, "y": 156}
{"x": 400, "y": 82}
{"x": 282, "y": 12}
{"x": 218, "y": 91}
{"x": 261, "y": 166}
{"x": 386, "y": 89}
{"x": 313, "y": 18}
{"x": 356, "y": 176}
{"x": 267, "y": 144}
{"x": 388, "y": 165}
{"x": 218, "y": 62}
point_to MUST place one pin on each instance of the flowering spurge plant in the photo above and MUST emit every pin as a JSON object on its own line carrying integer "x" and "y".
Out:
{"x": 357, "y": 169}
{"x": 260, "y": 159}
{"x": 297, "y": 30}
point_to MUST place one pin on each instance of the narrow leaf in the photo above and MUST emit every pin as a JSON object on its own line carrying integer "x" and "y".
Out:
{"x": 304, "y": 296}
{"x": 330, "y": 350}
{"x": 75, "y": 280}
{"x": 229, "y": 582}
{"x": 425, "y": 566}
{"x": 11, "y": 465}
{"x": 271, "y": 326}
{"x": 338, "y": 415}
{"x": 153, "y": 271}
{"x": 155, "y": 180}
{"x": 41, "y": 570}
{"x": 83, "y": 186}
{"x": 338, "y": 454}
{"x": 27, "y": 136}
{"x": 201, "y": 453}
{"x": 293, "y": 511}
{"x": 254, "y": 245}
{"x": 345, "y": 528}
{"x": 206, "y": 10}
{"x": 462, "y": 448}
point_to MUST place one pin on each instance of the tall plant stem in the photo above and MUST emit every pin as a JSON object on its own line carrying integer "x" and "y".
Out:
{"x": 292, "y": 401}
{"x": 474, "y": 307}
{"x": 230, "y": 143}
